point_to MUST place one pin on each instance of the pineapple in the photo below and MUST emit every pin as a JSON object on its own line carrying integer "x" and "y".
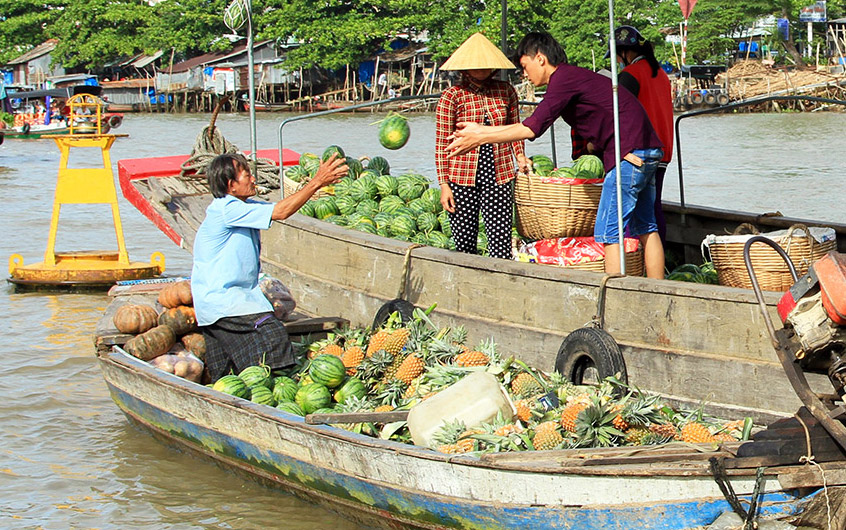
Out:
{"x": 595, "y": 425}
{"x": 547, "y": 436}
{"x": 445, "y": 439}
{"x": 332, "y": 349}
{"x": 524, "y": 410}
{"x": 395, "y": 342}
{"x": 410, "y": 369}
{"x": 695, "y": 432}
{"x": 471, "y": 358}
{"x": 377, "y": 342}
{"x": 465, "y": 442}
{"x": 391, "y": 393}
{"x": 384, "y": 408}
{"x": 525, "y": 385}
{"x": 637, "y": 435}
{"x": 505, "y": 430}
{"x": 570, "y": 413}
{"x": 352, "y": 357}
{"x": 724, "y": 437}
{"x": 373, "y": 368}
{"x": 619, "y": 422}
{"x": 667, "y": 431}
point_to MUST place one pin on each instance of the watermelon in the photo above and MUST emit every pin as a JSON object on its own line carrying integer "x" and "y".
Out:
{"x": 364, "y": 187}
{"x": 313, "y": 396}
{"x": 342, "y": 187}
{"x": 438, "y": 239}
{"x": 372, "y": 173}
{"x": 332, "y": 150}
{"x": 589, "y": 167}
{"x": 365, "y": 227}
{"x": 367, "y": 207}
{"x": 394, "y": 131}
{"x": 563, "y": 172}
{"x": 309, "y": 162}
{"x": 351, "y": 387}
{"x": 427, "y": 221}
{"x": 390, "y": 204}
{"x": 384, "y": 231}
{"x": 285, "y": 391}
{"x": 403, "y": 225}
{"x": 291, "y": 408}
{"x": 380, "y": 165}
{"x": 432, "y": 195}
{"x": 405, "y": 210}
{"x": 325, "y": 207}
{"x": 420, "y": 238}
{"x": 339, "y": 220}
{"x": 327, "y": 369}
{"x": 409, "y": 188}
{"x": 353, "y": 167}
{"x": 296, "y": 173}
{"x": 419, "y": 205}
{"x": 443, "y": 220}
{"x": 682, "y": 276}
{"x": 256, "y": 376}
{"x": 382, "y": 219}
{"x": 541, "y": 165}
{"x": 307, "y": 208}
{"x": 346, "y": 204}
{"x": 386, "y": 185}
{"x": 232, "y": 385}
{"x": 324, "y": 410}
{"x": 262, "y": 395}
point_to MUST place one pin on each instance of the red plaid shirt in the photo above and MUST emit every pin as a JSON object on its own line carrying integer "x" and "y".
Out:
{"x": 469, "y": 102}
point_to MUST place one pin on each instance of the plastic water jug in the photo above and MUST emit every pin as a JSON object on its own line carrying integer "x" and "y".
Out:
{"x": 475, "y": 399}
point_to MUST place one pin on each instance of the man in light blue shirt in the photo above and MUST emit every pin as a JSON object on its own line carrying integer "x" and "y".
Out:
{"x": 235, "y": 317}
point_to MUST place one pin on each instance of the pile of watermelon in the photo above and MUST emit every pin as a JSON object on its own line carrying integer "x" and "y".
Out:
{"x": 370, "y": 199}
{"x": 585, "y": 167}
{"x": 689, "y": 272}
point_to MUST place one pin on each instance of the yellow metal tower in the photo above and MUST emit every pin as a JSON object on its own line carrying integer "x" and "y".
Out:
{"x": 94, "y": 185}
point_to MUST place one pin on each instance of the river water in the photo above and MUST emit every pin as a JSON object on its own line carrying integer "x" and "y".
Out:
{"x": 69, "y": 459}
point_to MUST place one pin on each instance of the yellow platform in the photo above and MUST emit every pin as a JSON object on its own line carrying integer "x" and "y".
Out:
{"x": 90, "y": 185}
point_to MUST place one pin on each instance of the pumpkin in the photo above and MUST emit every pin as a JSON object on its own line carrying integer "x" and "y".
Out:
{"x": 152, "y": 343}
{"x": 135, "y": 318}
{"x": 181, "y": 319}
{"x": 196, "y": 344}
{"x": 176, "y": 294}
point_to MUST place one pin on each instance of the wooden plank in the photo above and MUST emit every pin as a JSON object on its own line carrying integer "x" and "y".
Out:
{"x": 655, "y": 458}
{"x": 315, "y": 324}
{"x": 811, "y": 477}
{"x": 357, "y": 417}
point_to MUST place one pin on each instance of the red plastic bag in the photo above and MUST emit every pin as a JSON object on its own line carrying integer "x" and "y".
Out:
{"x": 566, "y": 251}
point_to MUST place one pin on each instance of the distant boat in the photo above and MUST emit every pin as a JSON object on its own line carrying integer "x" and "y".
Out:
{"x": 262, "y": 106}
{"x": 29, "y": 123}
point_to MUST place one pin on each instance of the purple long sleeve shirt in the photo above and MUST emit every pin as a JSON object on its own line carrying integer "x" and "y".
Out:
{"x": 583, "y": 99}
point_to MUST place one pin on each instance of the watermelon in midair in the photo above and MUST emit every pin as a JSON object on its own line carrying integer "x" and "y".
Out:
{"x": 394, "y": 131}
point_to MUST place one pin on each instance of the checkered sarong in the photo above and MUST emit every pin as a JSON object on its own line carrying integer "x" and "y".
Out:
{"x": 234, "y": 343}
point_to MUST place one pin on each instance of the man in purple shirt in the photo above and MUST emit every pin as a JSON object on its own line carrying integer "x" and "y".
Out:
{"x": 583, "y": 99}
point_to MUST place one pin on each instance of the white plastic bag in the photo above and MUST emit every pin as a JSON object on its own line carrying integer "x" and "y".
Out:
{"x": 279, "y": 296}
{"x": 183, "y": 364}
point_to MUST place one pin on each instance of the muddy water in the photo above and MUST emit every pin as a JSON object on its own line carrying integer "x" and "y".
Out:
{"x": 69, "y": 459}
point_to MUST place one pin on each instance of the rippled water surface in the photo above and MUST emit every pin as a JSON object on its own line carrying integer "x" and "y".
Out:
{"x": 69, "y": 459}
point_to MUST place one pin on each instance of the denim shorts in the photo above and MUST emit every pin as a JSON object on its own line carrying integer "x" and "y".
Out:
{"x": 637, "y": 185}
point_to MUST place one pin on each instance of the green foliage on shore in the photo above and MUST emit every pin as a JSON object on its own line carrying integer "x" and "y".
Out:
{"x": 332, "y": 34}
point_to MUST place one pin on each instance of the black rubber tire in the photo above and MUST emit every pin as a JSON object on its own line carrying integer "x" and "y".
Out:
{"x": 696, "y": 98}
{"x": 2, "y": 137}
{"x": 105, "y": 127}
{"x": 25, "y": 128}
{"x": 115, "y": 121}
{"x": 405, "y": 308}
{"x": 588, "y": 349}
{"x": 710, "y": 99}
{"x": 722, "y": 99}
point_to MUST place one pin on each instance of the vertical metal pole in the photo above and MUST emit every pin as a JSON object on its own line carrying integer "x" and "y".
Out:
{"x": 618, "y": 155}
{"x": 251, "y": 84}
{"x": 503, "y": 35}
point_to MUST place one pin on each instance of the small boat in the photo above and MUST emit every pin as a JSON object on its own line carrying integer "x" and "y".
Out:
{"x": 387, "y": 484}
{"x": 262, "y": 106}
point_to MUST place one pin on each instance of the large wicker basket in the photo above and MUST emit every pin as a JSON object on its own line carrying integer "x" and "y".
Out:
{"x": 580, "y": 252}
{"x": 291, "y": 186}
{"x": 803, "y": 245}
{"x": 547, "y": 210}
{"x": 634, "y": 264}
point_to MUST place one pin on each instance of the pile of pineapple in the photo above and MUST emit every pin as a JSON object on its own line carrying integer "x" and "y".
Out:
{"x": 403, "y": 364}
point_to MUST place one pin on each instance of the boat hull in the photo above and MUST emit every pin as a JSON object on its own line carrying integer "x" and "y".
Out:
{"x": 393, "y": 485}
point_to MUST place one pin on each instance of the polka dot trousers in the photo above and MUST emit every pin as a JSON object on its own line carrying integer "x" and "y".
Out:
{"x": 493, "y": 200}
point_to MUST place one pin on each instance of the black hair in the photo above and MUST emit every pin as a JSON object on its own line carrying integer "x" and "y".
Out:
{"x": 543, "y": 42}
{"x": 222, "y": 170}
{"x": 648, "y": 53}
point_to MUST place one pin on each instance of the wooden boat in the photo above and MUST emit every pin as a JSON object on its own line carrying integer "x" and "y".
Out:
{"x": 35, "y": 132}
{"x": 388, "y": 484}
{"x": 262, "y": 106}
{"x": 689, "y": 342}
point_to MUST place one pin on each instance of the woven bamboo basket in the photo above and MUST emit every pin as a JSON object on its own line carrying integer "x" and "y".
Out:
{"x": 290, "y": 187}
{"x": 634, "y": 264}
{"x": 551, "y": 210}
{"x": 803, "y": 245}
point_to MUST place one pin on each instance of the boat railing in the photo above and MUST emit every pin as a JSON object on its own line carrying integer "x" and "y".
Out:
{"x": 730, "y": 107}
{"x": 370, "y": 104}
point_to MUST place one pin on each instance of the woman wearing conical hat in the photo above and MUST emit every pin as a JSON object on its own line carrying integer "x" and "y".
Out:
{"x": 481, "y": 179}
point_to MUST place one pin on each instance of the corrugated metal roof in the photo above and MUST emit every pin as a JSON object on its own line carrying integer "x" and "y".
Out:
{"x": 145, "y": 60}
{"x": 42, "y": 49}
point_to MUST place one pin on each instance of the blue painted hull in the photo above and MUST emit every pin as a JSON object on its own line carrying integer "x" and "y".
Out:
{"x": 398, "y": 505}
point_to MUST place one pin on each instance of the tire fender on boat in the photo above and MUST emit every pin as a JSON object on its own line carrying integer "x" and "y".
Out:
{"x": 588, "y": 350}
{"x": 25, "y": 128}
{"x": 115, "y": 121}
{"x": 696, "y": 98}
{"x": 405, "y": 308}
{"x": 710, "y": 99}
{"x": 722, "y": 99}
{"x": 2, "y": 137}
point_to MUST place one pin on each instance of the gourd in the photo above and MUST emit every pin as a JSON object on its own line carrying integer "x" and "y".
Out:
{"x": 152, "y": 343}
{"x": 135, "y": 318}
{"x": 176, "y": 294}
{"x": 196, "y": 344}
{"x": 181, "y": 319}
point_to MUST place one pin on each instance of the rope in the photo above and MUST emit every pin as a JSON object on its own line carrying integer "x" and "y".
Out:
{"x": 718, "y": 471}
{"x": 809, "y": 459}
{"x": 211, "y": 143}
{"x": 406, "y": 269}
{"x": 599, "y": 318}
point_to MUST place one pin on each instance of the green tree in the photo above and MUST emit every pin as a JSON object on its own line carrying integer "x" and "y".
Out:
{"x": 190, "y": 27}
{"x": 24, "y": 23}
{"x": 94, "y": 32}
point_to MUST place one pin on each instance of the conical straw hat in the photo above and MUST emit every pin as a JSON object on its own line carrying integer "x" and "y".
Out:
{"x": 477, "y": 53}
